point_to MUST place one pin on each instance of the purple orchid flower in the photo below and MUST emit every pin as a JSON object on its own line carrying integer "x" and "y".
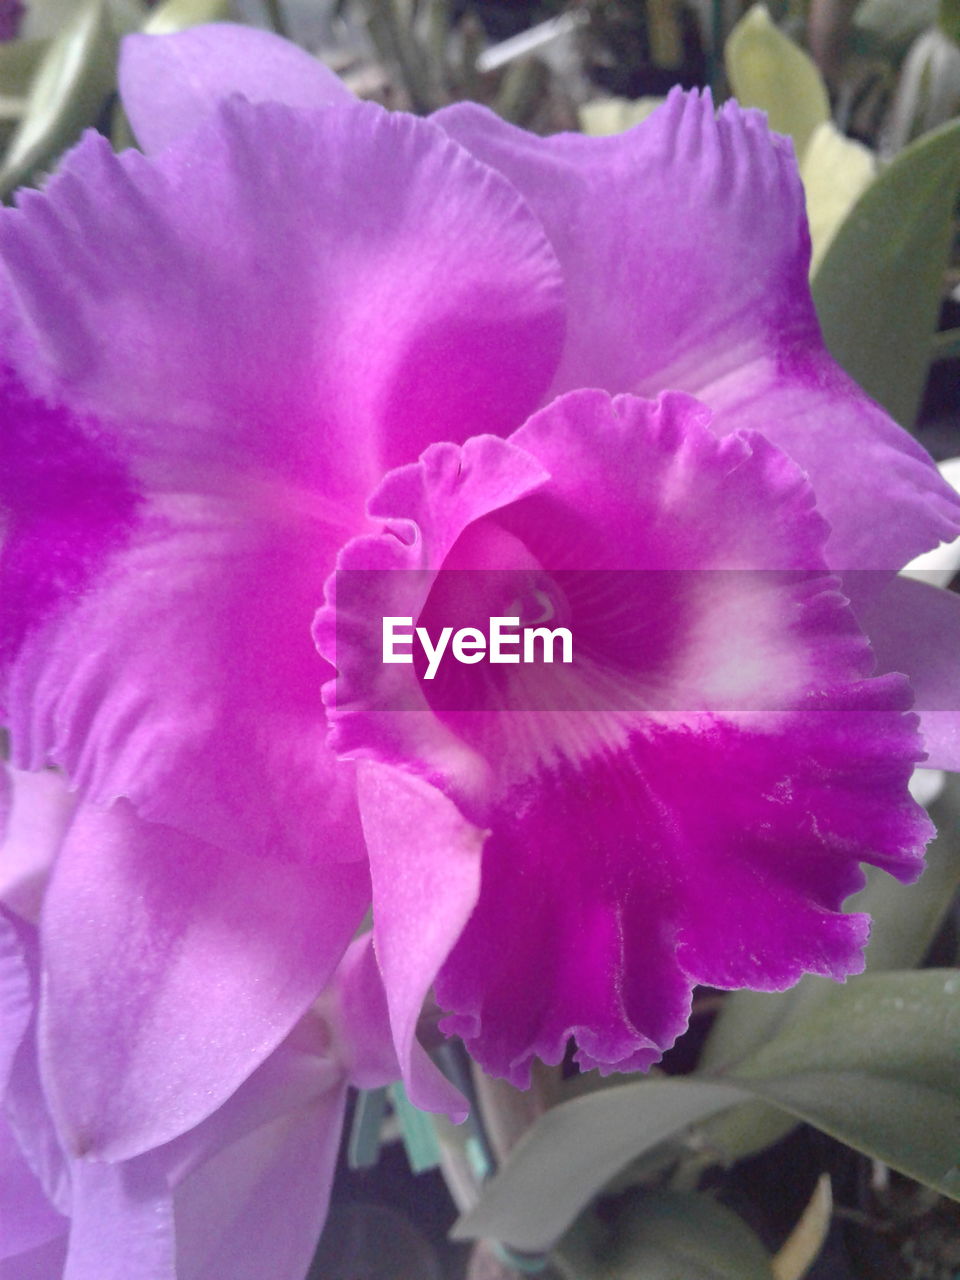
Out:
{"x": 215, "y": 352}
{"x": 242, "y": 1194}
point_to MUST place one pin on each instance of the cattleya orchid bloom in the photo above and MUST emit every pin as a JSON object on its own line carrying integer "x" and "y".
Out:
{"x": 302, "y": 335}
{"x": 217, "y": 1201}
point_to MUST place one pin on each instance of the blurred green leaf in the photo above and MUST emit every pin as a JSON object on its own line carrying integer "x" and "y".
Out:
{"x": 892, "y": 25}
{"x": 836, "y": 171}
{"x": 603, "y": 116}
{"x": 574, "y": 1150}
{"x": 905, "y": 921}
{"x": 668, "y": 1236}
{"x": 876, "y": 1065}
{"x": 19, "y": 60}
{"x": 878, "y": 288}
{"x": 72, "y": 82}
{"x": 175, "y": 15}
{"x": 768, "y": 71}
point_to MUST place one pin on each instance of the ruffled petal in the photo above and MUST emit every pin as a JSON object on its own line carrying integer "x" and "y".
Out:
{"x": 914, "y": 628}
{"x": 716, "y": 646}
{"x": 172, "y": 970}
{"x": 685, "y": 249}
{"x": 941, "y": 565}
{"x": 169, "y": 82}
{"x": 271, "y": 288}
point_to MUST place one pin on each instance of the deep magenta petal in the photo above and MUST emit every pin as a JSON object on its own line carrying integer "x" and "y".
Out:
{"x": 685, "y": 250}
{"x": 169, "y": 82}
{"x": 173, "y": 969}
{"x": 693, "y": 569}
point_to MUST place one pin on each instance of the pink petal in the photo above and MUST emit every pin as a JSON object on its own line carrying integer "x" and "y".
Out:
{"x": 245, "y": 1192}
{"x": 425, "y": 865}
{"x": 121, "y": 1224}
{"x": 28, "y": 1217}
{"x": 16, "y": 1001}
{"x": 40, "y": 812}
{"x": 270, "y": 286}
{"x": 684, "y": 246}
{"x": 915, "y": 628}
{"x": 185, "y": 680}
{"x": 173, "y": 969}
{"x": 257, "y": 1208}
{"x": 169, "y": 82}
{"x": 45, "y": 1263}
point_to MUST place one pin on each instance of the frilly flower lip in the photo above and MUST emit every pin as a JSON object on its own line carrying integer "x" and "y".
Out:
{"x": 691, "y": 802}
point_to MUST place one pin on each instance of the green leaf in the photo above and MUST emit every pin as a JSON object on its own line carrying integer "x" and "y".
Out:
{"x": 836, "y": 171}
{"x": 876, "y": 1065}
{"x": 768, "y": 71}
{"x": 668, "y": 1236}
{"x": 573, "y": 1151}
{"x": 175, "y": 15}
{"x": 878, "y": 288}
{"x": 891, "y": 25}
{"x": 601, "y": 117}
{"x": 19, "y": 60}
{"x": 905, "y": 920}
{"x": 67, "y": 94}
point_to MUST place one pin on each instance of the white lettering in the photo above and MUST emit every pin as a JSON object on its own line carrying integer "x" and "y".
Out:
{"x": 548, "y": 637}
{"x": 498, "y": 640}
{"x": 435, "y": 652}
{"x": 391, "y": 640}
{"x": 469, "y": 645}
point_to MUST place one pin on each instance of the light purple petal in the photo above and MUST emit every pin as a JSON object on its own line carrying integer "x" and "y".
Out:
{"x": 16, "y": 1001}
{"x": 40, "y": 812}
{"x": 244, "y": 1193}
{"x": 169, "y": 83}
{"x": 30, "y": 1167}
{"x": 425, "y": 865}
{"x": 45, "y": 1263}
{"x": 173, "y": 969}
{"x": 185, "y": 680}
{"x": 270, "y": 286}
{"x": 685, "y": 248}
{"x": 257, "y": 1208}
{"x": 914, "y": 627}
{"x": 121, "y": 1223}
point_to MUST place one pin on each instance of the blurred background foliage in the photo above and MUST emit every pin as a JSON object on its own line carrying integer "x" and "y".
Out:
{"x": 813, "y": 1133}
